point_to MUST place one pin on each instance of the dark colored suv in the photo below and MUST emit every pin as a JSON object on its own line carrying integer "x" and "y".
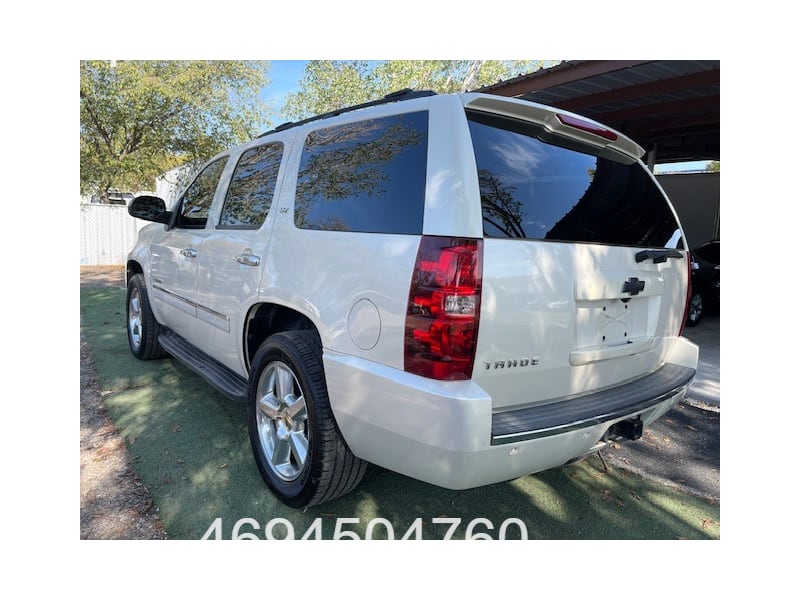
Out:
{"x": 705, "y": 282}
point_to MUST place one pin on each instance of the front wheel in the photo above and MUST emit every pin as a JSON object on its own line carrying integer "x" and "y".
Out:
{"x": 143, "y": 329}
{"x": 297, "y": 445}
{"x": 695, "y": 310}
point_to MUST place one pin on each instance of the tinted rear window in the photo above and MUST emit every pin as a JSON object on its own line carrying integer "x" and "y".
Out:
{"x": 367, "y": 176}
{"x": 532, "y": 189}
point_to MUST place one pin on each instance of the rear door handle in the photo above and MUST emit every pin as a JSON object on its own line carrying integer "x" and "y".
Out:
{"x": 189, "y": 252}
{"x": 251, "y": 260}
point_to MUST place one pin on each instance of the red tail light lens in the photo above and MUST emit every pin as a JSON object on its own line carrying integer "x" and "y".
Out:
{"x": 444, "y": 308}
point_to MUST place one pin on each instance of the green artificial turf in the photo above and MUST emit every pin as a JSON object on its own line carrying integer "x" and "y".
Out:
{"x": 190, "y": 446}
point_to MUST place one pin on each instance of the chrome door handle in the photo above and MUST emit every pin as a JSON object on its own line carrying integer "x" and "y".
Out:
{"x": 251, "y": 260}
{"x": 189, "y": 252}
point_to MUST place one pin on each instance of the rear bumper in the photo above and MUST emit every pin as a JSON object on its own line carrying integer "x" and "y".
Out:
{"x": 606, "y": 406}
{"x": 444, "y": 433}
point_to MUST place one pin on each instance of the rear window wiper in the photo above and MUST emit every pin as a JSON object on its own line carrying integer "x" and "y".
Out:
{"x": 658, "y": 256}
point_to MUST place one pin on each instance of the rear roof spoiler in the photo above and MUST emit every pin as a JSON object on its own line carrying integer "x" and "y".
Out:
{"x": 560, "y": 122}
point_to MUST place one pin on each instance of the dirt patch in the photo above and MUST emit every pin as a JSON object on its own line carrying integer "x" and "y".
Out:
{"x": 114, "y": 502}
{"x": 104, "y": 276}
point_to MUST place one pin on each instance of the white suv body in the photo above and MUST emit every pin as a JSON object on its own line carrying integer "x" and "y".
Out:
{"x": 463, "y": 340}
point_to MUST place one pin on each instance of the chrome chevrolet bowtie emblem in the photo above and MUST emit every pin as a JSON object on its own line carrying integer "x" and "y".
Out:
{"x": 633, "y": 286}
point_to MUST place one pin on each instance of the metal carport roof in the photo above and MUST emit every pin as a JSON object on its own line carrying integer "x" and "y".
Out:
{"x": 667, "y": 106}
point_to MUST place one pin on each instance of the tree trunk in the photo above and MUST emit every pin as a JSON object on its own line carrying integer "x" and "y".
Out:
{"x": 472, "y": 74}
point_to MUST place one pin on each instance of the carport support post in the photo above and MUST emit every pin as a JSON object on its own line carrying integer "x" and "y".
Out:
{"x": 651, "y": 158}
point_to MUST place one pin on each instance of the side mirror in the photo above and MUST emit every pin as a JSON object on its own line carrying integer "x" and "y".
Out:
{"x": 149, "y": 208}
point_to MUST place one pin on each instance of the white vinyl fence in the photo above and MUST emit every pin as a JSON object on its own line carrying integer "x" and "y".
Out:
{"x": 108, "y": 233}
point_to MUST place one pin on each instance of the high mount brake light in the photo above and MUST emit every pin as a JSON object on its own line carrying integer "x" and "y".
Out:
{"x": 444, "y": 308}
{"x": 587, "y": 126}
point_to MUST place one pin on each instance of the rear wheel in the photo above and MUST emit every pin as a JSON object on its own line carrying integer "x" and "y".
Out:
{"x": 143, "y": 329}
{"x": 295, "y": 440}
{"x": 695, "y": 310}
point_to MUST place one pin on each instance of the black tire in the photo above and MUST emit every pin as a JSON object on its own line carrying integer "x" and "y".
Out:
{"x": 694, "y": 310}
{"x": 142, "y": 327}
{"x": 289, "y": 365}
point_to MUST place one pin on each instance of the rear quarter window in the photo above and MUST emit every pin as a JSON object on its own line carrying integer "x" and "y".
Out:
{"x": 367, "y": 176}
{"x": 540, "y": 190}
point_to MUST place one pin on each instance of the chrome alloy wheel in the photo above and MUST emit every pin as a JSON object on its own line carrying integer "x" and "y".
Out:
{"x": 135, "y": 319}
{"x": 282, "y": 421}
{"x": 695, "y": 307}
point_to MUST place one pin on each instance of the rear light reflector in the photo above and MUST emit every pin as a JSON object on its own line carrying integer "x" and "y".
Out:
{"x": 688, "y": 292}
{"x": 444, "y": 308}
{"x": 587, "y": 126}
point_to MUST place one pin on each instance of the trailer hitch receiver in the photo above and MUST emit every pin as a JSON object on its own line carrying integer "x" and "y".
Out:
{"x": 630, "y": 429}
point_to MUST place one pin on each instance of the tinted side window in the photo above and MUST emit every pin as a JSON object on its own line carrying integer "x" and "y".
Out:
{"x": 367, "y": 176}
{"x": 534, "y": 189}
{"x": 252, "y": 187}
{"x": 196, "y": 200}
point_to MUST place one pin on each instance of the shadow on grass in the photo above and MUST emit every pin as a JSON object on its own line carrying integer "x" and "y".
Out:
{"x": 190, "y": 446}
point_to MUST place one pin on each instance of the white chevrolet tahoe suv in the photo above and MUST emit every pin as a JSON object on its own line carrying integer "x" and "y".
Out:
{"x": 461, "y": 288}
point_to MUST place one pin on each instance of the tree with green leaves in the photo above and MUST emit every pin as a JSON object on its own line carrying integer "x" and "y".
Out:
{"x": 139, "y": 119}
{"x": 712, "y": 166}
{"x": 447, "y": 76}
{"x": 329, "y": 85}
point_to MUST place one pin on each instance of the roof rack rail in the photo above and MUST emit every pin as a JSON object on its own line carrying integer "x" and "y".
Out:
{"x": 404, "y": 94}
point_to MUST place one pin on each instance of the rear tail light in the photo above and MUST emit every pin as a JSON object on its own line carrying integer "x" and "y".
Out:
{"x": 444, "y": 308}
{"x": 688, "y": 292}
